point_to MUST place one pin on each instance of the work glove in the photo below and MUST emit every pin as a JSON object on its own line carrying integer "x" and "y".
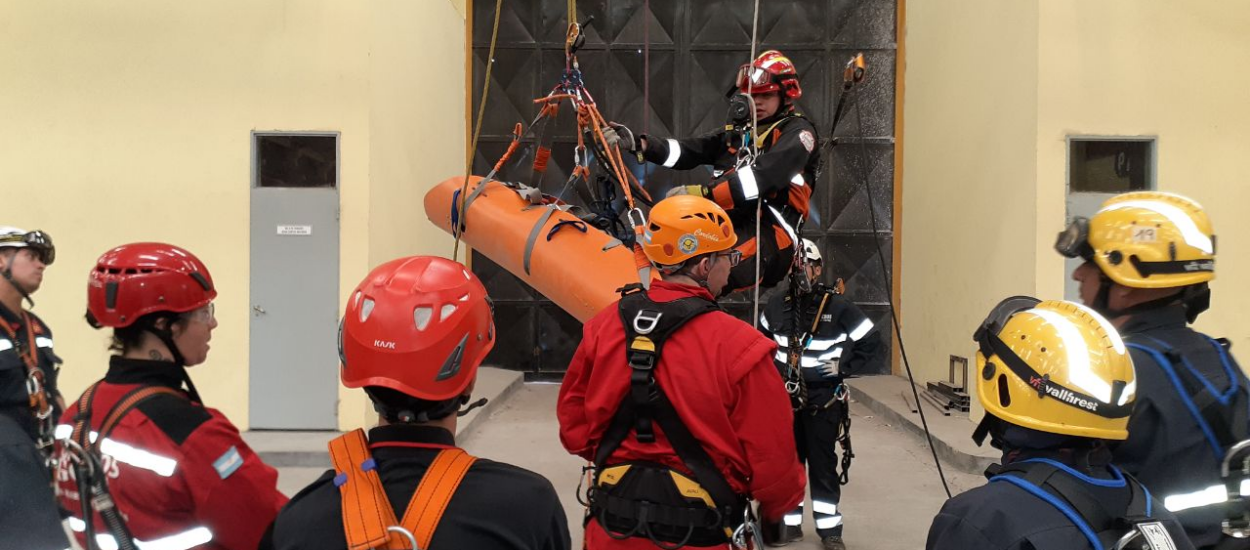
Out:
{"x": 829, "y": 369}
{"x": 696, "y": 190}
{"x": 620, "y": 135}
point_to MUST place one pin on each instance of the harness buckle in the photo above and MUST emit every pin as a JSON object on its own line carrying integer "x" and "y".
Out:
{"x": 646, "y": 321}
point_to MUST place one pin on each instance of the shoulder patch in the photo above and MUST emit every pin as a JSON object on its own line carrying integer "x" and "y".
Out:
{"x": 176, "y": 416}
{"x": 228, "y": 462}
{"x": 808, "y": 139}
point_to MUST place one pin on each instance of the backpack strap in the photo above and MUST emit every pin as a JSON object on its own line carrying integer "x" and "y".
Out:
{"x": 434, "y": 492}
{"x": 367, "y": 512}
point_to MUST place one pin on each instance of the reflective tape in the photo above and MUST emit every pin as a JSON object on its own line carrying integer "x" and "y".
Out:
{"x": 827, "y": 508}
{"x": 674, "y": 153}
{"x": 179, "y": 541}
{"x": 794, "y": 237}
{"x": 825, "y": 344}
{"x": 125, "y": 454}
{"x": 1215, "y": 494}
{"x": 43, "y": 342}
{"x": 805, "y": 361}
{"x": 764, "y": 321}
{"x": 835, "y": 354}
{"x": 746, "y": 178}
{"x": 793, "y": 520}
{"x": 861, "y": 330}
{"x": 781, "y": 340}
{"x": 828, "y": 522}
{"x": 5, "y": 345}
{"x": 798, "y": 180}
{"x": 1189, "y": 230}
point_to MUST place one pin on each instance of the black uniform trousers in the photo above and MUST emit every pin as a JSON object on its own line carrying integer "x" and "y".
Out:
{"x": 816, "y": 434}
{"x": 29, "y": 517}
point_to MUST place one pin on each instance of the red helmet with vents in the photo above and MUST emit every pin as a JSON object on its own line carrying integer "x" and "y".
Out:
{"x": 136, "y": 279}
{"x": 420, "y": 325}
{"x": 771, "y": 71}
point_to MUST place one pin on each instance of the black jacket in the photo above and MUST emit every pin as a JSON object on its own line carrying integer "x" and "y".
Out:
{"x": 1167, "y": 449}
{"x": 783, "y": 173}
{"x": 497, "y": 505}
{"x": 14, "y": 401}
{"x": 844, "y": 333}
{"x": 1002, "y": 515}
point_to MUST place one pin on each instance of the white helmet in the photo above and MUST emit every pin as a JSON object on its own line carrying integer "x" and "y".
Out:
{"x": 811, "y": 251}
{"x": 16, "y": 237}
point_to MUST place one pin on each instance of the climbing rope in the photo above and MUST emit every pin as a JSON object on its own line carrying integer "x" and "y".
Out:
{"x": 477, "y": 133}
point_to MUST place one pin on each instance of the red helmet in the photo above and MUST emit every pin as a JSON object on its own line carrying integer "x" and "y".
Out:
{"x": 419, "y": 325}
{"x": 771, "y": 71}
{"x": 136, "y": 279}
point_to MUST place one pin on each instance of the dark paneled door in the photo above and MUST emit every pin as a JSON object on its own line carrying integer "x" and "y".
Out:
{"x": 694, "y": 48}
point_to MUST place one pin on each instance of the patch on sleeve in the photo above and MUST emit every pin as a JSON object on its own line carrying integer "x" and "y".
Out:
{"x": 808, "y": 139}
{"x": 228, "y": 463}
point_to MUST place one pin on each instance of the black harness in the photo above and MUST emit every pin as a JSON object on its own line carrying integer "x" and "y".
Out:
{"x": 1103, "y": 525}
{"x": 644, "y": 499}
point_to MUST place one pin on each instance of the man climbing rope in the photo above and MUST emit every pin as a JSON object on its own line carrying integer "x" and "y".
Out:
{"x": 1057, "y": 385}
{"x": 413, "y": 335}
{"x": 821, "y": 337}
{"x": 782, "y": 170}
{"x": 1149, "y": 257}
{"x": 668, "y": 359}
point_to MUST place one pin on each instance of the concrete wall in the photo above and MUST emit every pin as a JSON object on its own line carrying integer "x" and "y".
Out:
{"x": 994, "y": 89}
{"x": 133, "y": 122}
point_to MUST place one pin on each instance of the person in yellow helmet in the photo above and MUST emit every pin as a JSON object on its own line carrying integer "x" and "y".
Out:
{"x": 677, "y": 403}
{"x": 1149, "y": 258}
{"x": 1058, "y": 386}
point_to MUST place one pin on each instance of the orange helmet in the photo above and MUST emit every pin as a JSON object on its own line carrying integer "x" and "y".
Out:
{"x": 771, "y": 71}
{"x": 684, "y": 226}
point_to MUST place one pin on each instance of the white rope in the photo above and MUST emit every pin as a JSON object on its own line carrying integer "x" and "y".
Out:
{"x": 759, "y": 201}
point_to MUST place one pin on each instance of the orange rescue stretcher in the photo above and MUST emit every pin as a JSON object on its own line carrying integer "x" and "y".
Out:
{"x": 540, "y": 240}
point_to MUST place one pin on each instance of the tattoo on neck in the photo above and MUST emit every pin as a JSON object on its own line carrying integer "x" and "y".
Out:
{"x": 157, "y": 356}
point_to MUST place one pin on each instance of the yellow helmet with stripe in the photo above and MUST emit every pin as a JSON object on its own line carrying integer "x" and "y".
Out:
{"x": 1055, "y": 367}
{"x": 1153, "y": 240}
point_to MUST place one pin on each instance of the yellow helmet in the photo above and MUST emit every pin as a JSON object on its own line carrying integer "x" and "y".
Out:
{"x": 1153, "y": 240}
{"x": 1055, "y": 367}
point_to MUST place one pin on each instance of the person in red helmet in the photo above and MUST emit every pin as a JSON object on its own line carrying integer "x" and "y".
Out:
{"x": 677, "y": 404}
{"x": 413, "y": 335}
{"x": 782, "y": 173}
{"x": 141, "y": 462}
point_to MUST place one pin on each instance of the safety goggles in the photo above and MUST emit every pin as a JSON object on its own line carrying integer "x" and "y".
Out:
{"x": 735, "y": 257}
{"x": 205, "y": 314}
{"x": 755, "y": 77}
{"x": 991, "y": 345}
{"x": 38, "y": 241}
{"x": 1073, "y": 241}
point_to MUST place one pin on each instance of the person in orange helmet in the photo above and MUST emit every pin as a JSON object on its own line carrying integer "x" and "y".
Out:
{"x": 677, "y": 403}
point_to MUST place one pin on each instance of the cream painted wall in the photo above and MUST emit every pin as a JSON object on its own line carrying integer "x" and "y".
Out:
{"x": 133, "y": 123}
{"x": 970, "y": 122}
{"x": 986, "y": 154}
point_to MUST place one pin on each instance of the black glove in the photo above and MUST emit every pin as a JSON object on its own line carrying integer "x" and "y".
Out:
{"x": 620, "y": 134}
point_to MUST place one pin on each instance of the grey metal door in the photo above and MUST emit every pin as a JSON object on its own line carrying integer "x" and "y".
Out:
{"x": 294, "y": 300}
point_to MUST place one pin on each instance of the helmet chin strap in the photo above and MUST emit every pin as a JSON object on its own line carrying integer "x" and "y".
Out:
{"x": 1195, "y": 298}
{"x": 166, "y": 337}
{"x": 8, "y": 276}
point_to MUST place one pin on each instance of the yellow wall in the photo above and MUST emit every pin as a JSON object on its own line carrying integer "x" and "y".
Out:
{"x": 984, "y": 174}
{"x": 969, "y": 123}
{"x": 133, "y": 122}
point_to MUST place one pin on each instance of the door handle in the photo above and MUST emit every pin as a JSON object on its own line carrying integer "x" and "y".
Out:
{"x": 259, "y": 310}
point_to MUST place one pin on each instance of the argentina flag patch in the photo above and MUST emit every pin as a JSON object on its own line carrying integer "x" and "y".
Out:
{"x": 228, "y": 463}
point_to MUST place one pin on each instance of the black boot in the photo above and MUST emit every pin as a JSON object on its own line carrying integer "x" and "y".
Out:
{"x": 774, "y": 533}
{"x": 832, "y": 542}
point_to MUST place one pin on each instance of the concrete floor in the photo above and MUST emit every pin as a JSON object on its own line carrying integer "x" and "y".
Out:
{"x": 893, "y": 494}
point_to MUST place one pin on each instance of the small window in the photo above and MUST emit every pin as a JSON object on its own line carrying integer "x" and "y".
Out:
{"x": 285, "y": 160}
{"x": 1098, "y": 165}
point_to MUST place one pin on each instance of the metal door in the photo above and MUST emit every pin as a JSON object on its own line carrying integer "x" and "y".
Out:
{"x": 294, "y": 301}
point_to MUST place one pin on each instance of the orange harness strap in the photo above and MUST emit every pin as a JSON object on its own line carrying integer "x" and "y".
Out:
{"x": 367, "y": 513}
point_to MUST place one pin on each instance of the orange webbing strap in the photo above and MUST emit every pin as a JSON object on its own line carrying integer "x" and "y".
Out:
{"x": 123, "y": 407}
{"x": 366, "y": 511}
{"x": 434, "y": 493}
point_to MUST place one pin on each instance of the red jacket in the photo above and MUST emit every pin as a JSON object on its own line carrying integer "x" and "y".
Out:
{"x": 180, "y": 473}
{"x": 718, "y": 372}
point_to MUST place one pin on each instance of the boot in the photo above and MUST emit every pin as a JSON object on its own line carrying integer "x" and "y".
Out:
{"x": 832, "y": 542}
{"x": 774, "y": 533}
{"x": 793, "y": 532}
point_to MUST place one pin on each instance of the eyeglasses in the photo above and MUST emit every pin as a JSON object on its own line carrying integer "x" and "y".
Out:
{"x": 38, "y": 242}
{"x": 205, "y": 314}
{"x": 735, "y": 257}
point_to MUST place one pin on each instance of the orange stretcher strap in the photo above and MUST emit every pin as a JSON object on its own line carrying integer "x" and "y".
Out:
{"x": 367, "y": 513}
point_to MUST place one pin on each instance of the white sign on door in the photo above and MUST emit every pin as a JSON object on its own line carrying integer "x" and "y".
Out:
{"x": 294, "y": 230}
